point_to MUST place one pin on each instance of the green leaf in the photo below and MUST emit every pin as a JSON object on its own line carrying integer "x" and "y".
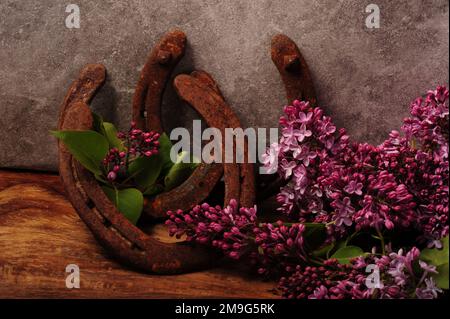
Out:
{"x": 145, "y": 170}
{"x": 344, "y": 254}
{"x": 88, "y": 147}
{"x": 313, "y": 227}
{"x": 440, "y": 259}
{"x": 179, "y": 172}
{"x": 110, "y": 132}
{"x": 436, "y": 256}
{"x": 100, "y": 178}
{"x": 97, "y": 123}
{"x": 165, "y": 145}
{"x": 128, "y": 201}
{"x": 441, "y": 278}
{"x": 323, "y": 251}
{"x": 337, "y": 245}
{"x": 315, "y": 235}
{"x": 153, "y": 190}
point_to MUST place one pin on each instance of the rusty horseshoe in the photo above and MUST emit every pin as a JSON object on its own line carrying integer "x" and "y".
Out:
{"x": 119, "y": 236}
{"x": 293, "y": 69}
{"x": 298, "y": 85}
{"x": 146, "y": 110}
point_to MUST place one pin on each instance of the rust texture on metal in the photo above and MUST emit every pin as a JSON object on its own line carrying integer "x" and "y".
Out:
{"x": 90, "y": 79}
{"x": 153, "y": 80}
{"x": 293, "y": 69}
{"x": 298, "y": 85}
{"x": 239, "y": 179}
{"x": 120, "y": 237}
{"x": 190, "y": 193}
{"x": 146, "y": 109}
{"x": 123, "y": 239}
{"x": 246, "y": 170}
{"x": 200, "y": 91}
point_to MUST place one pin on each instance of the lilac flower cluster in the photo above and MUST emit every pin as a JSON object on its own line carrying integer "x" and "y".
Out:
{"x": 137, "y": 143}
{"x": 399, "y": 279}
{"x": 113, "y": 162}
{"x": 345, "y": 187}
{"x": 278, "y": 246}
{"x": 278, "y": 249}
{"x": 236, "y": 232}
{"x": 402, "y": 183}
{"x": 330, "y": 281}
{"x": 227, "y": 229}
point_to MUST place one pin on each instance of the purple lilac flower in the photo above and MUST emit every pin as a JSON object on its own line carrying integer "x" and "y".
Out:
{"x": 338, "y": 281}
{"x": 236, "y": 232}
{"x": 270, "y": 158}
{"x": 344, "y": 211}
{"x": 430, "y": 291}
{"x": 354, "y": 187}
{"x": 287, "y": 167}
{"x": 227, "y": 229}
{"x": 401, "y": 184}
{"x": 137, "y": 143}
{"x": 303, "y": 133}
{"x": 305, "y": 117}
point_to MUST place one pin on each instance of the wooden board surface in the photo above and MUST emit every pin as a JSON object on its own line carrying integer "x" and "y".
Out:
{"x": 40, "y": 234}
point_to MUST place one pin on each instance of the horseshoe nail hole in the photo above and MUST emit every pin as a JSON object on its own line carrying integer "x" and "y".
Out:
{"x": 201, "y": 184}
{"x": 135, "y": 247}
{"x": 107, "y": 223}
{"x": 90, "y": 203}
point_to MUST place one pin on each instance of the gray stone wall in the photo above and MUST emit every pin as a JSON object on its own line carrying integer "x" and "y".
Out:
{"x": 365, "y": 78}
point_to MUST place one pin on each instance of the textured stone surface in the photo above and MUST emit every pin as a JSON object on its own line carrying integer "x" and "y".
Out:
{"x": 365, "y": 78}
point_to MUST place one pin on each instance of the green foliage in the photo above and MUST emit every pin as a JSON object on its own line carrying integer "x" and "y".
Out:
{"x": 179, "y": 172}
{"x": 436, "y": 256}
{"x": 129, "y": 201}
{"x": 440, "y": 259}
{"x": 145, "y": 171}
{"x": 88, "y": 147}
{"x": 315, "y": 233}
{"x": 144, "y": 175}
{"x": 110, "y": 132}
{"x": 165, "y": 145}
{"x": 345, "y": 254}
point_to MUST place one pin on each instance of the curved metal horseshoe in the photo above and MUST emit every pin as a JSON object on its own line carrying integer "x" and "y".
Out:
{"x": 298, "y": 85}
{"x": 120, "y": 237}
{"x": 147, "y": 114}
{"x": 147, "y": 99}
{"x": 293, "y": 69}
{"x": 201, "y": 92}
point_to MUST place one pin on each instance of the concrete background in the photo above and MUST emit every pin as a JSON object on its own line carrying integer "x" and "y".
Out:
{"x": 365, "y": 78}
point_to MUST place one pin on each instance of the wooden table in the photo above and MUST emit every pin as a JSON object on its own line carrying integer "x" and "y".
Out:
{"x": 40, "y": 234}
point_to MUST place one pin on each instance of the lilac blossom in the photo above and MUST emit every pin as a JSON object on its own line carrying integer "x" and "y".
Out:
{"x": 270, "y": 158}
{"x": 401, "y": 184}
{"x": 235, "y": 232}
{"x": 352, "y": 188}
{"x": 339, "y": 281}
{"x": 430, "y": 291}
{"x": 136, "y": 143}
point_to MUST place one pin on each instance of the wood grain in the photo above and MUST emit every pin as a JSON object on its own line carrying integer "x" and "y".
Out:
{"x": 40, "y": 234}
